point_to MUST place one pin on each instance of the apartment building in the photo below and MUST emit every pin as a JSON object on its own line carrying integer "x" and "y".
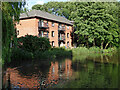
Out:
{"x": 42, "y": 24}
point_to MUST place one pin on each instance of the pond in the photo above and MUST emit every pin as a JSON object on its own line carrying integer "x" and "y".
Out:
{"x": 84, "y": 71}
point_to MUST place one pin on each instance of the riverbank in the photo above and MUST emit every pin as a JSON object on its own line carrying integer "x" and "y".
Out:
{"x": 21, "y": 55}
{"x": 84, "y": 50}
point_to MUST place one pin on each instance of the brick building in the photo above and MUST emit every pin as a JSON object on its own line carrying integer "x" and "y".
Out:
{"x": 42, "y": 24}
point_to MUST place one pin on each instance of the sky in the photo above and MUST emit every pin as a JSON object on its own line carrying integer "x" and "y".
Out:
{"x": 30, "y": 3}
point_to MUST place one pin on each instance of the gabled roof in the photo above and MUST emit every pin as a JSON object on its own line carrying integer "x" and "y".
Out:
{"x": 45, "y": 15}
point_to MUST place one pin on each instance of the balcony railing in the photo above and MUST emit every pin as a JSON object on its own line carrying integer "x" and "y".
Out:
{"x": 42, "y": 25}
{"x": 61, "y": 38}
{"x": 61, "y": 28}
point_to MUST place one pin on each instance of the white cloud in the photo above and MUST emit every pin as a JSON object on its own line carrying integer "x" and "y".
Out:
{"x": 30, "y": 3}
{"x": 40, "y": 2}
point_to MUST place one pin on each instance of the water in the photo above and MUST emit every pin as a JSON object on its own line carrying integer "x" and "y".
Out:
{"x": 84, "y": 71}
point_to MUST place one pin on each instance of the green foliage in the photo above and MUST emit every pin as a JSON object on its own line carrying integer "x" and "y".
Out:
{"x": 9, "y": 10}
{"x": 20, "y": 55}
{"x": 33, "y": 43}
{"x": 114, "y": 49}
{"x": 55, "y": 53}
{"x": 80, "y": 51}
{"x": 94, "y": 49}
{"x": 52, "y": 54}
{"x": 93, "y": 21}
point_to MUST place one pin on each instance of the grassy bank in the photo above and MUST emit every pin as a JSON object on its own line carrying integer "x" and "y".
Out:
{"x": 82, "y": 53}
{"x": 84, "y": 50}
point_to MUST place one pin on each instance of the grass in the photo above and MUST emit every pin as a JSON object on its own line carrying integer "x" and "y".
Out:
{"x": 83, "y": 53}
{"x": 84, "y": 50}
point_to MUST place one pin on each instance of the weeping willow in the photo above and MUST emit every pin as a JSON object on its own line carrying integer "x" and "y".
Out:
{"x": 10, "y": 14}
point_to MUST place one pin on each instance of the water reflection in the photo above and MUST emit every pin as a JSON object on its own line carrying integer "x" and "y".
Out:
{"x": 84, "y": 71}
{"x": 57, "y": 72}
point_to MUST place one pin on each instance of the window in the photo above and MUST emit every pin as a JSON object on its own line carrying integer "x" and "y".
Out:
{"x": 17, "y": 22}
{"x": 47, "y": 23}
{"x": 42, "y": 23}
{"x": 68, "y": 44}
{"x": 47, "y": 34}
{"x": 52, "y": 33}
{"x": 67, "y": 35}
{"x": 52, "y": 24}
{"x": 67, "y": 27}
{"x": 17, "y": 32}
{"x": 53, "y": 43}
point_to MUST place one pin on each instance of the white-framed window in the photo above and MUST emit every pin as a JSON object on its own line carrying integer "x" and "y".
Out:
{"x": 17, "y": 32}
{"x": 53, "y": 34}
{"x": 67, "y": 35}
{"x": 67, "y": 27}
{"x": 52, "y": 24}
{"x": 68, "y": 44}
{"x": 53, "y": 43}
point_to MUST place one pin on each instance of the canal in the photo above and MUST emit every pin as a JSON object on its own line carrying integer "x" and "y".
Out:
{"x": 83, "y": 71}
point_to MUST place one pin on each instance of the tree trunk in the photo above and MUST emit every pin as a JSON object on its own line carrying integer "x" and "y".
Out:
{"x": 94, "y": 42}
{"x": 106, "y": 45}
{"x": 102, "y": 45}
{"x": 87, "y": 44}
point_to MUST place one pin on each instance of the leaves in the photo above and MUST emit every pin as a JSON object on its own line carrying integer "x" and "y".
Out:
{"x": 96, "y": 20}
{"x": 10, "y": 10}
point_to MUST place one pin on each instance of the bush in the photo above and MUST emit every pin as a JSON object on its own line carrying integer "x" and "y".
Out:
{"x": 52, "y": 54}
{"x": 94, "y": 49}
{"x": 19, "y": 54}
{"x": 33, "y": 43}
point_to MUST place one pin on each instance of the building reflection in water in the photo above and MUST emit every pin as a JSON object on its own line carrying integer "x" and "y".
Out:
{"x": 19, "y": 81}
{"x": 57, "y": 72}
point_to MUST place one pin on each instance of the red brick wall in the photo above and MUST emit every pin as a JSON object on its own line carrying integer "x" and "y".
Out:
{"x": 27, "y": 26}
{"x": 70, "y": 38}
{"x": 30, "y": 27}
{"x": 55, "y": 29}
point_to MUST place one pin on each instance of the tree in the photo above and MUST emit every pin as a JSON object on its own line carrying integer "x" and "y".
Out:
{"x": 10, "y": 10}
{"x": 33, "y": 43}
{"x": 94, "y": 21}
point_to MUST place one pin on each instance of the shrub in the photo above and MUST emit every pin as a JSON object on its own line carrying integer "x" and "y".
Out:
{"x": 19, "y": 54}
{"x": 52, "y": 54}
{"x": 94, "y": 49}
{"x": 33, "y": 43}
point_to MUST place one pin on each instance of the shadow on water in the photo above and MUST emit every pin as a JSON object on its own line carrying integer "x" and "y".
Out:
{"x": 83, "y": 71}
